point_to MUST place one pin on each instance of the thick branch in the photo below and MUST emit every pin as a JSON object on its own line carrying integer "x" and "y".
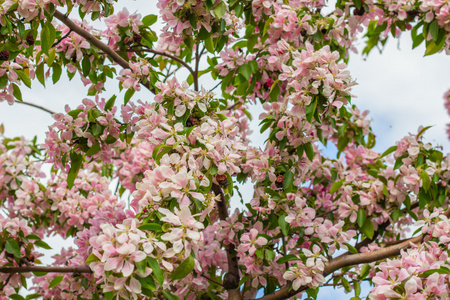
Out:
{"x": 92, "y": 39}
{"x": 37, "y": 106}
{"x": 97, "y": 43}
{"x": 231, "y": 279}
{"x": 347, "y": 261}
{"x": 27, "y": 269}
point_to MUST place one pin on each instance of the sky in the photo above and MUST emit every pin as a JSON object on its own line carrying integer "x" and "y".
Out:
{"x": 402, "y": 90}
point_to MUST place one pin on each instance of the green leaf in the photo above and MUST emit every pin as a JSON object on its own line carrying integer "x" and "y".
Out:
{"x": 170, "y": 296}
{"x": 287, "y": 258}
{"x": 149, "y": 20}
{"x": 396, "y": 214}
{"x": 357, "y": 3}
{"x": 57, "y": 70}
{"x": 157, "y": 272}
{"x": 309, "y": 150}
{"x": 42, "y": 244}
{"x": 76, "y": 162}
{"x": 55, "y": 281}
{"x": 426, "y": 182}
{"x": 91, "y": 258}
{"x": 12, "y": 247}
{"x": 434, "y": 29}
{"x": 284, "y": 226}
{"x": 97, "y": 129}
{"x": 367, "y": 228}
{"x": 16, "y": 297}
{"x": 361, "y": 218}
{"x": 245, "y": 71}
{"x": 141, "y": 266}
{"x": 364, "y": 271}
{"x": 288, "y": 181}
{"x": 389, "y": 151}
{"x": 351, "y": 248}
{"x": 209, "y": 44}
{"x": 220, "y": 9}
{"x": 441, "y": 270}
{"x": 184, "y": 269}
{"x": 40, "y": 73}
{"x": 110, "y": 103}
{"x": 269, "y": 255}
{"x": 24, "y": 77}
{"x": 336, "y": 186}
{"x": 32, "y": 237}
{"x": 86, "y": 66}
{"x": 433, "y": 48}
{"x": 94, "y": 149}
{"x": 74, "y": 113}
{"x": 51, "y": 57}
{"x": 33, "y": 296}
{"x": 357, "y": 287}
{"x": 16, "y": 92}
{"x": 129, "y": 93}
{"x": 151, "y": 227}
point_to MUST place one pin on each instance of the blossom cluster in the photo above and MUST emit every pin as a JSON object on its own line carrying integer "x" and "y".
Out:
{"x": 414, "y": 275}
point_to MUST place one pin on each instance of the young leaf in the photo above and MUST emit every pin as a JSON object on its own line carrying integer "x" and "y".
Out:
{"x": 76, "y": 162}
{"x": 220, "y": 9}
{"x": 157, "y": 272}
{"x": 12, "y": 247}
{"x": 367, "y": 228}
{"x": 55, "y": 281}
{"x": 336, "y": 186}
{"x": 184, "y": 269}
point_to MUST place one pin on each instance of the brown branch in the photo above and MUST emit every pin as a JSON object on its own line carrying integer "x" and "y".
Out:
{"x": 27, "y": 269}
{"x": 212, "y": 280}
{"x": 97, "y": 43}
{"x": 36, "y": 106}
{"x": 5, "y": 283}
{"x": 231, "y": 278}
{"x": 381, "y": 227}
{"x": 62, "y": 38}
{"x": 173, "y": 57}
{"x": 346, "y": 260}
{"x": 92, "y": 39}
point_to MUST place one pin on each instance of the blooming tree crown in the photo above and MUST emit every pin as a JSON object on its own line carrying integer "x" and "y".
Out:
{"x": 147, "y": 188}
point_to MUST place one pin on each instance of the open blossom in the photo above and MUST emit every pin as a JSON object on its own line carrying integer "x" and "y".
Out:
{"x": 250, "y": 242}
{"x": 186, "y": 230}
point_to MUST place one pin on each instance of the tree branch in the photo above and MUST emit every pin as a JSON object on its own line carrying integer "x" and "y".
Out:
{"x": 97, "y": 43}
{"x": 27, "y": 269}
{"x": 92, "y": 39}
{"x": 37, "y": 106}
{"x": 346, "y": 260}
{"x": 173, "y": 57}
{"x": 231, "y": 278}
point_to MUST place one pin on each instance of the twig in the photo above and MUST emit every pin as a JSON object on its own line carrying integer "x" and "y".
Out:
{"x": 215, "y": 86}
{"x": 6, "y": 281}
{"x": 37, "y": 106}
{"x": 166, "y": 55}
{"x": 212, "y": 280}
{"x": 62, "y": 38}
{"x": 234, "y": 105}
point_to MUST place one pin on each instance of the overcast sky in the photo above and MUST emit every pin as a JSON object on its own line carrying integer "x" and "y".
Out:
{"x": 401, "y": 88}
